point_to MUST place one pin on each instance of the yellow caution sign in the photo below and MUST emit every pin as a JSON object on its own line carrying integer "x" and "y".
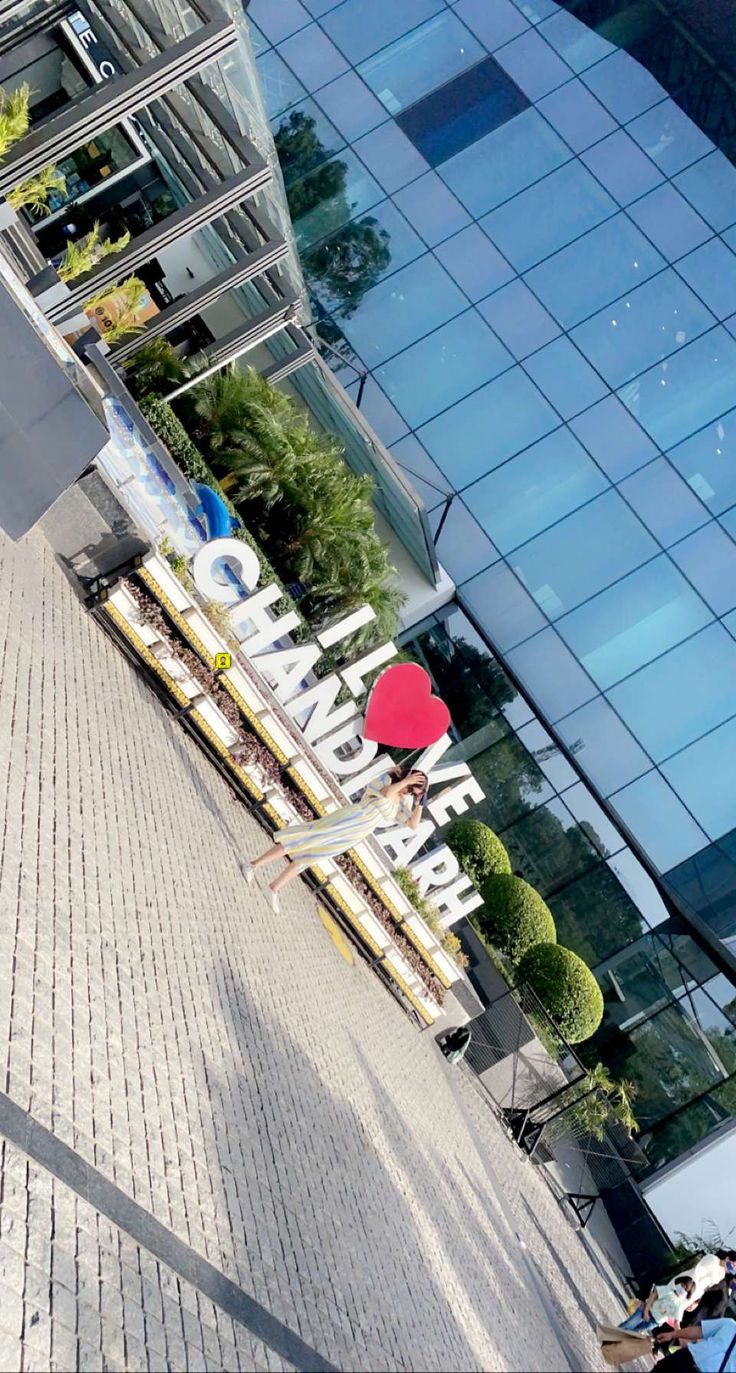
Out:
{"x": 223, "y": 661}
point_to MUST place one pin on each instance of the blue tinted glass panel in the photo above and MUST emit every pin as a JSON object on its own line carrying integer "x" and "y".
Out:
{"x": 602, "y": 833}
{"x": 329, "y": 197}
{"x": 279, "y": 84}
{"x": 664, "y": 828}
{"x": 708, "y": 558}
{"x": 313, "y": 57}
{"x": 493, "y": 24}
{"x": 634, "y": 621}
{"x": 669, "y": 137}
{"x": 504, "y": 162}
{"x": 603, "y": 746}
{"x": 710, "y": 186}
{"x": 536, "y": 10}
{"x": 443, "y": 367}
{"x": 352, "y": 108}
{"x": 423, "y": 473}
{"x": 547, "y": 755}
{"x": 574, "y": 41}
{"x": 466, "y": 445}
{"x": 687, "y": 391}
{"x": 420, "y": 61}
{"x": 669, "y": 221}
{"x": 703, "y": 776}
{"x": 548, "y": 215}
{"x": 378, "y": 410}
{"x": 577, "y": 115}
{"x": 278, "y": 21}
{"x": 502, "y": 606}
{"x": 258, "y": 39}
{"x": 622, "y": 167}
{"x": 519, "y": 319}
{"x": 533, "y": 64}
{"x": 642, "y": 327}
{"x": 582, "y": 554}
{"x": 682, "y": 695}
{"x": 403, "y": 307}
{"x": 462, "y": 111}
{"x": 583, "y": 277}
{"x": 304, "y": 140}
{"x": 565, "y": 378}
{"x": 664, "y": 502}
{"x": 535, "y": 489}
{"x": 711, "y": 271}
{"x": 318, "y": 7}
{"x": 707, "y": 461}
{"x": 390, "y": 156}
{"x": 548, "y": 669}
{"x": 463, "y": 547}
{"x": 474, "y": 263}
{"x": 342, "y": 268}
{"x": 613, "y": 438}
{"x": 623, "y": 86}
{"x": 360, "y": 29}
{"x": 432, "y": 209}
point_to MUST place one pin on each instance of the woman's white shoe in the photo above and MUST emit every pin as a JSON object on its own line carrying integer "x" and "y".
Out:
{"x": 275, "y": 903}
{"x": 247, "y": 869}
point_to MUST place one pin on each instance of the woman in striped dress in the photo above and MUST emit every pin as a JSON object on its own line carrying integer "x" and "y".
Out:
{"x": 394, "y": 796}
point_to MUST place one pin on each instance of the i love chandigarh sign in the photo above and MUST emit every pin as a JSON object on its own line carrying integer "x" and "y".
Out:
{"x": 401, "y": 708}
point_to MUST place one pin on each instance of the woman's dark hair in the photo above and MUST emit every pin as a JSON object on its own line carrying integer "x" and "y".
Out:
{"x": 398, "y": 774}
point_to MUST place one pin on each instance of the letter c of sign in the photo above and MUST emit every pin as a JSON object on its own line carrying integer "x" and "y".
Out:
{"x": 106, "y": 69}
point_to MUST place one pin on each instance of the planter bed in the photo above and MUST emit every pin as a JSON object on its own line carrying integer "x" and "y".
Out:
{"x": 252, "y": 751}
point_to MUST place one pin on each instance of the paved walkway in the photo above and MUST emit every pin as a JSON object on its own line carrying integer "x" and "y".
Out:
{"x": 310, "y": 1176}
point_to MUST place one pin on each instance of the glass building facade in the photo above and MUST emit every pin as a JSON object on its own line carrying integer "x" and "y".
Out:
{"x": 517, "y": 222}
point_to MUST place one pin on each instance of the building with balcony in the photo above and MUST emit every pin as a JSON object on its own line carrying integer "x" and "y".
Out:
{"x": 517, "y": 223}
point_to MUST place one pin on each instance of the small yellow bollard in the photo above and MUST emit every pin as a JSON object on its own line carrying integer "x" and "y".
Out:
{"x": 223, "y": 661}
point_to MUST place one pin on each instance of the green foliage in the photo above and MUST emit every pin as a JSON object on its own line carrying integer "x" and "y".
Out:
{"x": 34, "y": 194}
{"x": 513, "y": 916}
{"x": 431, "y": 916}
{"x": 478, "y": 850}
{"x": 15, "y": 116}
{"x": 155, "y": 368}
{"x": 566, "y": 987}
{"x": 81, "y": 257}
{"x": 172, "y": 433}
{"x": 129, "y": 296}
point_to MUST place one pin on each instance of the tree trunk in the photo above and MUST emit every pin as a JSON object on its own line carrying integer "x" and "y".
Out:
{"x": 229, "y": 481}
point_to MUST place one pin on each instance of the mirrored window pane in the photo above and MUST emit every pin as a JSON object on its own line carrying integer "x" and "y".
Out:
{"x": 585, "y": 276}
{"x": 468, "y": 678}
{"x": 642, "y": 327}
{"x": 690, "y": 1126}
{"x": 665, "y": 503}
{"x": 594, "y": 916}
{"x": 492, "y": 24}
{"x": 549, "y": 847}
{"x": 432, "y": 209}
{"x": 313, "y": 57}
{"x": 378, "y": 410}
{"x": 582, "y": 554}
{"x": 304, "y": 140}
{"x": 687, "y": 391}
{"x": 669, "y": 137}
{"x": 575, "y": 41}
{"x": 512, "y": 783}
{"x": 474, "y": 263}
{"x": 360, "y": 29}
{"x": 623, "y": 86}
{"x": 423, "y": 473}
{"x": 423, "y": 59}
{"x": 665, "y": 829}
{"x": 670, "y": 1060}
{"x": 622, "y": 167}
{"x": 547, "y": 755}
{"x": 328, "y": 198}
{"x": 706, "y": 885}
{"x": 576, "y": 115}
{"x": 278, "y": 83}
{"x": 437, "y": 371}
{"x": 555, "y": 680}
{"x": 518, "y": 318}
{"x": 342, "y": 268}
{"x": 708, "y": 558}
{"x": 548, "y": 215}
{"x": 278, "y": 21}
{"x": 392, "y": 159}
{"x": 565, "y": 378}
{"x": 634, "y": 621}
{"x": 603, "y": 834}
{"x": 464, "y": 444}
{"x": 613, "y": 438}
{"x": 711, "y": 271}
{"x": 463, "y": 548}
{"x": 702, "y": 775}
{"x": 603, "y": 745}
{"x": 350, "y": 105}
{"x": 652, "y": 973}
{"x": 504, "y": 162}
{"x": 461, "y": 111}
{"x": 683, "y": 694}
{"x": 637, "y": 882}
{"x": 533, "y": 64}
{"x": 400, "y": 309}
{"x": 707, "y": 461}
{"x": 710, "y": 186}
{"x": 669, "y": 221}
{"x": 501, "y": 606}
{"x": 535, "y": 489}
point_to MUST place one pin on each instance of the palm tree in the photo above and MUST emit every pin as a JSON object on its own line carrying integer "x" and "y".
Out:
{"x": 155, "y": 368}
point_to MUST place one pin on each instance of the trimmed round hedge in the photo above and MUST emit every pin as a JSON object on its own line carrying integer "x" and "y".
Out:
{"x": 478, "y": 850}
{"x": 566, "y": 987}
{"x": 514, "y": 916}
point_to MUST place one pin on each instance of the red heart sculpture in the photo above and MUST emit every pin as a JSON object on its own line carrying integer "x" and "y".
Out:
{"x": 402, "y": 710}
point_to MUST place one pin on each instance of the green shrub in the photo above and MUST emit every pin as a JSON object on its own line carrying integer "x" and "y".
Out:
{"x": 566, "y": 987}
{"x": 187, "y": 456}
{"x": 478, "y": 850}
{"x": 514, "y": 916}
